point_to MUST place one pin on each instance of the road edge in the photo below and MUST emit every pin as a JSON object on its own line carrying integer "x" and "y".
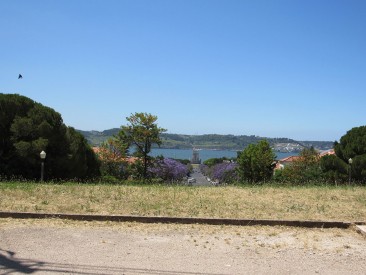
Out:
{"x": 180, "y": 220}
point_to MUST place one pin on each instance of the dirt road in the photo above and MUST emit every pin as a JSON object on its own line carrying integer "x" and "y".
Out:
{"x": 64, "y": 247}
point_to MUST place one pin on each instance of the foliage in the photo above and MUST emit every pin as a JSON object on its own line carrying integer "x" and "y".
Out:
{"x": 141, "y": 132}
{"x": 82, "y": 163}
{"x": 213, "y": 161}
{"x": 205, "y": 169}
{"x": 135, "y": 170}
{"x": 184, "y": 161}
{"x": 225, "y": 172}
{"x": 256, "y": 162}
{"x": 353, "y": 145}
{"x": 112, "y": 155}
{"x": 220, "y": 169}
{"x": 27, "y": 128}
{"x": 305, "y": 169}
{"x": 334, "y": 169}
{"x": 169, "y": 169}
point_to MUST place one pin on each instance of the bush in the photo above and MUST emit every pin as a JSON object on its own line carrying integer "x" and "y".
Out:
{"x": 256, "y": 163}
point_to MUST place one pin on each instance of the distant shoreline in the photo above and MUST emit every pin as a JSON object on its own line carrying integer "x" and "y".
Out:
{"x": 220, "y": 149}
{"x": 215, "y": 142}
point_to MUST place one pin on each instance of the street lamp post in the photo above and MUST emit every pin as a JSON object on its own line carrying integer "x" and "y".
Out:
{"x": 43, "y": 156}
{"x": 349, "y": 170}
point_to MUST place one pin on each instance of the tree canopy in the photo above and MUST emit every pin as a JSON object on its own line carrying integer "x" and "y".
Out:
{"x": 256, "y": 162}
{"x": 112, "y": 155}
{"x": 304, "y": 169}
{"x": 353, "y": 145}
{"x": 27, "y": 128}
{"x": 141, "y": 132}
{"x": 169, "y": 169}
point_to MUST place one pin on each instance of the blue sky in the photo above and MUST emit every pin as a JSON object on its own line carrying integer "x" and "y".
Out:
{"x": 275, "y": 68}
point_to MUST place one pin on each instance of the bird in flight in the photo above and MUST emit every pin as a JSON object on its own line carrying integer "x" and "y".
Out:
{"x": 20, "y": 76}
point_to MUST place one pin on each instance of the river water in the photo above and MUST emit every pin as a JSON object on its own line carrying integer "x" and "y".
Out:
{"x": 204, "y": 154}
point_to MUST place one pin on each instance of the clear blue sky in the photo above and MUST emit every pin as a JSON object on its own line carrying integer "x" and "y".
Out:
{"x": 270, "y": 68}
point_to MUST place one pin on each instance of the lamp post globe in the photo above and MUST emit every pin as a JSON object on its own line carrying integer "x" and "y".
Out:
{"x": 43, "y": 156}
{"x": 349, "y": 170}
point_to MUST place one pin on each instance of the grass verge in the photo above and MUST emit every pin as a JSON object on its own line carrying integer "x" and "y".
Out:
{"x": 255, "y": 202}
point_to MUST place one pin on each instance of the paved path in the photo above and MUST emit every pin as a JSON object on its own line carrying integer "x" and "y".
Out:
{"x": 200, "y": 178}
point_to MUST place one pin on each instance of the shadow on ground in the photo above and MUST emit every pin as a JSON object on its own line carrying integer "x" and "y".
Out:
{"x": 9, "y": 264}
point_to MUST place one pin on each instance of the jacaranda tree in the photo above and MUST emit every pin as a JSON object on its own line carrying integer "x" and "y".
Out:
{"x": 169, "y": 169}
{"x": 225, "y": 172}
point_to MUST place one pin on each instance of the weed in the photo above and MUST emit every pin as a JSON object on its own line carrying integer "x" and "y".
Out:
{"x": 273, "y": 234}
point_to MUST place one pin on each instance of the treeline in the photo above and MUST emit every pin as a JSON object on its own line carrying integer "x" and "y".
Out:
{"x": 210, "y": 141}
{"x": 27, "y": 128}
{"x": 256, "y": 164}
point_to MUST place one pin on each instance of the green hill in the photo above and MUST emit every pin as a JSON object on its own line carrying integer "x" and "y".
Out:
{"x": 214, "y": 141}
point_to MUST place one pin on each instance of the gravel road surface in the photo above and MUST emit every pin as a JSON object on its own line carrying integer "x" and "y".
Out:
{"x": 65, "y": 247}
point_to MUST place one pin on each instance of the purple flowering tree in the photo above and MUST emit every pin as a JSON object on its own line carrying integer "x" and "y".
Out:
{"x": 169, "y": 169}
{"x": 224, "y": 172}
{"x": 205, "y": 169}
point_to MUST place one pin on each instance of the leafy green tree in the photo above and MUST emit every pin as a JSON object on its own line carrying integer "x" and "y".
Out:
{"x": 256, "y": 162}
{"x": 27, "y": 128}
{"x": 141, "y": 132}
{"x": 305, "y": 169}
{"x": 334, "y": 169}
{"x": 213, "y": 161}
{"x": 136, "y": 169}
{"x": 309, "y": 157}
{"x": 82, "y": 163}
{"x": 309, "y": 165}
{"x": 353, "y": 145}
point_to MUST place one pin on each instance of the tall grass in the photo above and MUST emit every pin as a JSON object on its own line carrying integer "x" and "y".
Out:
{"x": 345, "y": 203}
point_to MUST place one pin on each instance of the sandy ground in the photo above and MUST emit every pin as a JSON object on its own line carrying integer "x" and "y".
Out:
{"x": 65, "y": 247}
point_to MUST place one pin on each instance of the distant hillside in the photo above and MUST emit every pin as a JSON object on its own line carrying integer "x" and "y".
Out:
{"x": 214, "y": 142}
{"x": 96, "y": 138}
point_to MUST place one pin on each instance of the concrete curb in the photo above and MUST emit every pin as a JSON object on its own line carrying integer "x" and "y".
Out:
{"x": 361, "y": 229}
{"x": 176, "y": 220}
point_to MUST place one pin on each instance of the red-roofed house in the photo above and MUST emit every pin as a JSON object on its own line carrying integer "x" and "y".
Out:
{"x": 327, "y": 153}
{"x": 286, "y": 161}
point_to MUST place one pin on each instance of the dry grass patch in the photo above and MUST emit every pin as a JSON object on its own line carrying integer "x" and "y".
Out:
{"x": 305, "y": 203}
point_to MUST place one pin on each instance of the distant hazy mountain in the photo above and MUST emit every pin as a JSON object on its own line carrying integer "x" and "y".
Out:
{"x": 213, "y": 141}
